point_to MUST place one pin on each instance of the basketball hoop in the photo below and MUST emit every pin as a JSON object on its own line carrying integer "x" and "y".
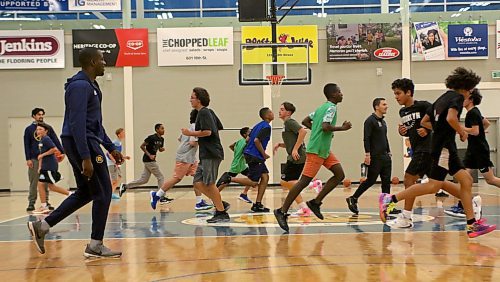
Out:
{"x": 275, "y": 81}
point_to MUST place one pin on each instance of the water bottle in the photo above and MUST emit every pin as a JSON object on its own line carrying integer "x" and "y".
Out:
{"x": 364, "y": 170}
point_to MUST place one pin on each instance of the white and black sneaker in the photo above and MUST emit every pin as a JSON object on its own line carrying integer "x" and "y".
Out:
{"x": 123, "y": 188}
{"x": 477, "y": 208}
{"x": 219, "y": 216}
{"x": 401, "y": 222}
{"x": 38, "y": 235}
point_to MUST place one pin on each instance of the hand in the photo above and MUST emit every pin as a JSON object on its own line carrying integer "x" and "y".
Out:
{"x": 127, "y": 157}
{"x": 266, "y": 156}
{"x": 463, "y": 136}
{"x": 29, "y": 163}
{"x": 162, "y": 149}
{"x": 346, "y": 125}
{"x": 61, "y": 157}
{"x": 367, "y": 160}
{"x": 186, "y": 132}
{"x": 276, "y": 147}
{"x": 152, "y": 157}
{"x": 88, "y": 168}
{"x": 402, "y": 130}
{"x": 40, "y": 157}
{"x": 117, "y": 156}
{"x": 295, "y": 154}
{"x": 422, "y": 132}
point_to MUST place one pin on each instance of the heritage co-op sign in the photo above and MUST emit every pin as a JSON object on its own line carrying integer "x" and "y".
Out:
{"x": 31, "y": 49}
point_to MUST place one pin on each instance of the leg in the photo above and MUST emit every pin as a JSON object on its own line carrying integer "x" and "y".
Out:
{"x": 465, "y": 180}
{"x": 146, "y": 174}
{"x": 338, "y": 176}
{"x": 490, "y": 178}
{"x": 41, "y": 190}
{"x": 58, "y": 189}
{"x": 264, "y": 179}
{"x": 33, "y": 178}
{"x": 385, "y": 174}
{"x": 211, "y": 192}
{"x": 295, "y": 192}
{"x": 289, "y": 185}
{"x": 245, "y": 191}
{"x": 409, "y": 181}
{"x": 154, "y": 168}
{"x": 373, "y": 173}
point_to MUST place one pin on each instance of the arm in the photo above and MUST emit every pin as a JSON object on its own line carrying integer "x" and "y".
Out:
{"x": 277, "y": 146}
{"x": 196, "y": 133}
{"x": 474, "y": 130}
{"x": 259, "y": 147}
{"x": 486, "y": 124}
{"x": 307, "y": 122}
{"x": 426, "y": 122}
{"x": 27, "y": 148}
{"x": 263, "y": 134}
{"x": 367, "y": 132}
{"x": 328, "y": 127}
{"x": 300, "y": 141}
{"x": 232, "y": 146}
{"x": 56, "y": 141}
{"x": 76, "y": 106}
{"x": 107, "y": 143}
{"x": 143, "y": 148}
{"x": 452, "y": 119}
{"x": 49, "y": 152}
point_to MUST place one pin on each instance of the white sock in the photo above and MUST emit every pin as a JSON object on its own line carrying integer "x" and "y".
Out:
{"x": 407, "y": 214}
{"x": 160, "y": 193}
{"x": 303, "y": 205}
{"x": 199, "y": 199}
{"x": 44, "y": 205}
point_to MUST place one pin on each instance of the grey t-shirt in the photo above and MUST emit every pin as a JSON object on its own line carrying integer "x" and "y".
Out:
{"x": 187, "y": 153}
{"x": 290, "y": 134}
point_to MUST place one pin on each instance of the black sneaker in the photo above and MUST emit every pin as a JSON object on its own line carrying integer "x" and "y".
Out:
{"x": 50, "y": 206}
{"x": 315, "y": 208}
{"x": 226, "y": 205}
{"x": 123, "y": 188}
{"x": 224, "y": 179}
{"x": 38, "y": 235}
{"x": 441, "y": 194}
{"x": 282, "y": 219}
{"x": 395, "y": 211}
{"x": 165, "y": 200}
{"x": 352, "y": 204}
{"x": 259, "y": 208}
{"x": 219, "y": 217}
{"x": 101, "y": 251}
{"x": 30, "y": 208}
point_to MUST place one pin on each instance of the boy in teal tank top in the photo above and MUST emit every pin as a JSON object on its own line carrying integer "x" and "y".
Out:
{"x": 322, "y": 124}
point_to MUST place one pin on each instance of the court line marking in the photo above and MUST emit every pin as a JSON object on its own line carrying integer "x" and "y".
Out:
{"x": 15, "y": 218}
{"x": 397, "y": 231}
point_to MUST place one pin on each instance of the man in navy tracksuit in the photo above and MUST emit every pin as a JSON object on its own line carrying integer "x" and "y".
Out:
{"x": 82, "y": 135}
{"x": 31, "y": 151}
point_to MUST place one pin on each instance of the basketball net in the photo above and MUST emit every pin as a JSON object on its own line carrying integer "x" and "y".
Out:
{"x": 275, "y": 82}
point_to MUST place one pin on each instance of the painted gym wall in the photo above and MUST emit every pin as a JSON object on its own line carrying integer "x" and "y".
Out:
{"x": 162, "y": 95}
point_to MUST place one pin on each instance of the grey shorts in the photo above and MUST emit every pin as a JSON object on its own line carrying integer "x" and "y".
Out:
{"x": 114, "y": 172}
{"x": 207, "y": 171}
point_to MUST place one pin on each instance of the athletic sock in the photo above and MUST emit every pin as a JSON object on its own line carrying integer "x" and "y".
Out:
{"x": 303, "y": 205}
{"x": 199, "y": 199}
{"x": 160, "y": 193}
{"x": 471, "y": 221}
{"x": 45, "y": 226}
{"x": 394, "y": 199}
{"x": 407, "y": 214}
{"x": 44, "y": 205}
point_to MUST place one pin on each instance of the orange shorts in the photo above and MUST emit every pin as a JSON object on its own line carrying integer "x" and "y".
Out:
{"x": 314, "y": 163}
{"x": 184, "y": 169}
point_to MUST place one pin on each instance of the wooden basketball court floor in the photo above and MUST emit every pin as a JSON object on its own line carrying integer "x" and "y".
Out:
{"x": 174, "y": 244}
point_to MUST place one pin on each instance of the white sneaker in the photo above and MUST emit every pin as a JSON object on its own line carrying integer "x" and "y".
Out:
{"x": 401, "y": 222}
{"x": 476, "y": 207}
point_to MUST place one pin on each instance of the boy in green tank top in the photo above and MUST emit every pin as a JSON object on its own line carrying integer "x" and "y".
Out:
{"x": 322, "y": 124}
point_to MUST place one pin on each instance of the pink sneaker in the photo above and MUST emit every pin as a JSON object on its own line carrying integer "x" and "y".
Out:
{"x": 305, "y": 212}
{"x": 385, "y": 206}
{"x": 479, "y": 228}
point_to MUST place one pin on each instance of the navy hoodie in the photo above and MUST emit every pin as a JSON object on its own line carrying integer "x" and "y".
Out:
{"x": 31, "y": 141}
{"x": 83, "y": 115}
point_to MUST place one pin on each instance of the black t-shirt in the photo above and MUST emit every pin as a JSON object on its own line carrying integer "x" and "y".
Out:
{"x": 375, "y": 136}
{"x": 210, "y": 146}
{"x": 476, "y": 144}
{"x": 410, "y": 118}
{"x": 153, "y": 144}
{"x": 443, "y": 135}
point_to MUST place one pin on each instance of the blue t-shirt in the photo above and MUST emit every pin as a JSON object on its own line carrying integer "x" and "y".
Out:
{"x": 48, "y": 162}
{"x": 261, "y": 131}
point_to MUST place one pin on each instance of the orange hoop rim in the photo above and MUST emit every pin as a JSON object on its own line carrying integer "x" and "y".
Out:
{"x": 275, "y": 79}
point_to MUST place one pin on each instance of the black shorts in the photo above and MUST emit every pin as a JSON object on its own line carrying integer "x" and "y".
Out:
{"x": 234, "y": 174}
{"x": 420, "y": 164}
{"x": 48, "y": 176}
{"x": 292, "y": 171}
{"x": 256, "y": 168}
{"x": 481, "y": 162}
{"x": 448, "y": 162}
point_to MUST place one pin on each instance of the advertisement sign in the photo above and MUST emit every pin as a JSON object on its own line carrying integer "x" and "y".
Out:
{"x": 364, "y": 42}
{"x": 95, "y": 5}
{"x": 31, "y": 49}
{"x": 434, "y": 41}
{"x": 34, "y": 5}
{"x": 498, "y": 39}
{"x": 285, "y": 34}
{"x": 200, "y": 46}
{"x": 121, "y": 47}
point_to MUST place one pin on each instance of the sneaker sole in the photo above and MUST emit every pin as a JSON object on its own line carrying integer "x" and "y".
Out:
{"x": 32, "y": 232}
{"x": 452, "y": 214}
{"x": 243, "y": 200}
{"x": 222, "y": 220}
{"x": 88, "y": 255}
{"x": 318, "y": 215}
{"x": 204, "y": 208}
{"x": 490, "y": 229}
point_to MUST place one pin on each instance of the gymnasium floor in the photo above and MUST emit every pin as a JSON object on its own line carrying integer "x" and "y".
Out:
{"x": 174, "y": 244}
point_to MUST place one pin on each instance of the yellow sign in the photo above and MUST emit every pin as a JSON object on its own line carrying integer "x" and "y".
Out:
{"x": 285, "y": 34}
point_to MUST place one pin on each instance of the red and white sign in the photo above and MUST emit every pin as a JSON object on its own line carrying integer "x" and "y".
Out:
{"x": 134, "y": 47}
{"x": 386, "y": 53}
{"x": 31, "y": 49}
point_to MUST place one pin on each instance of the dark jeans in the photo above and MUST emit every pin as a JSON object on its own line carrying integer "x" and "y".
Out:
{"x": 98, "y": 189}
{"x": 379, "y": 165}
